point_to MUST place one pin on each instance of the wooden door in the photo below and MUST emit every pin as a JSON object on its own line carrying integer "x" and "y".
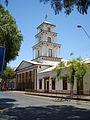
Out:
{"x": 46, "y": 85}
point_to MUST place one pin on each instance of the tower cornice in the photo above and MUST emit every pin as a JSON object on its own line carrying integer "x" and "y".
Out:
{"x": 41, "y": 43}
{"x": 45, "y": 31}
{"x": 46, "y": 23}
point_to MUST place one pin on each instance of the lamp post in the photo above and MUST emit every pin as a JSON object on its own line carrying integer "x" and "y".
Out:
{"x": 80, "y": 26}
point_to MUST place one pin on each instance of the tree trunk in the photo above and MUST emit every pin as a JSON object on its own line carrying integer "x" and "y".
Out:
{"x": 72, "y": 83}
{"x": 71, "y": 90}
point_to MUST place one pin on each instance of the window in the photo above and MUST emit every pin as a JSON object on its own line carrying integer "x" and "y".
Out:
{"x": 64, "y": 83}
{"x": 49, "y": 39}
{"x": 48, "y": 28}
{"x": 50, "y": 52}
{"x": 53, "y": 84}
{"x": 40, "y": 84}
{"x": 38, "y": 53}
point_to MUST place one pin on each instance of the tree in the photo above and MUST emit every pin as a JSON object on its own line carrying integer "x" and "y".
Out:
{"x": 10, "y": 36}
{"x": 81, "y": 69}
{"x": 73, "y": 68}
{"x": 76, "y": 68}
{"x": 5, "y": 1}
{"x": 8, "y": 73}
{"x": 69, "y": 5}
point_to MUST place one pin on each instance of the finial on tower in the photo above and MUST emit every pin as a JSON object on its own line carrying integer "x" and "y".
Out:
{"x": 46, "y": 17}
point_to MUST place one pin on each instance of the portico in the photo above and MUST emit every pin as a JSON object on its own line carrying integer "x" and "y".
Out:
{"x": 27, "y": 77}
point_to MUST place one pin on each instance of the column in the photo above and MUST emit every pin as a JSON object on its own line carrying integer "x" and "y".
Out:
{"x": 47, "y": 50}
{"x": 22, "y": 78}
{"x": 56, "y": 52}
{"x": 50, "y": 84}
{"x": 59, "y": 52}
{"x": 43, "y": 84}
{"x": 26, "y": 78}
{"x": 20, "y": 82}
{"x": 41, "y": 52}
{"x": 29, "y": 80}
{"x": 33, "y": 53}
{"x": 17, "y": 81}
{"x": 23, "y": 81}
{"x": 35, "y": 79}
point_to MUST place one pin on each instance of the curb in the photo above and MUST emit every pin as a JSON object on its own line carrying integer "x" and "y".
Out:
{"x": 78, "y": 98}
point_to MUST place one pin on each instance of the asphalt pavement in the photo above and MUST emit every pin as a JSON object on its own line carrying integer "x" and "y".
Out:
{"x": 19, "y": 106}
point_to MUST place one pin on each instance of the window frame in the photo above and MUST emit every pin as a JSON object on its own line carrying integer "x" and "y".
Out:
{"x": 38, "y": 53}
{"x": 49, "y": 39}
{"x": 53, "y": 80}
{"x": 49, "y": 29}
{"x": 50, "y": 52}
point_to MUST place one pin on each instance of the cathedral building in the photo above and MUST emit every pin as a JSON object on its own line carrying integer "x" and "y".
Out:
{"x": 37, "y": 74}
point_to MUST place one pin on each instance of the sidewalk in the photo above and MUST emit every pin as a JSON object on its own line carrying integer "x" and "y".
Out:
{"x": 65, "y": 96}
{"x": 53, "y": 95}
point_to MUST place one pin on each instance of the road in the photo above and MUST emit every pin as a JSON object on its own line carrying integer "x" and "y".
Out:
{"x": 19, "y": 106}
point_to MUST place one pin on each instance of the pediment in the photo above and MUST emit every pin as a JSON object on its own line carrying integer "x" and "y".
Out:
{"x": 23, "y": 64}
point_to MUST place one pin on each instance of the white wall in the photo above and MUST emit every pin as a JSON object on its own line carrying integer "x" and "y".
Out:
{"x": 45, "y": 51}
{"x": 40, "y": 52}
{"x": 52, "y": 37}
{"x": 86, "y": 81}
{"x": 58, "y": 83}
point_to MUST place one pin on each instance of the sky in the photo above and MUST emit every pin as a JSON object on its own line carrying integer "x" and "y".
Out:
{"x": 31, "y": 13}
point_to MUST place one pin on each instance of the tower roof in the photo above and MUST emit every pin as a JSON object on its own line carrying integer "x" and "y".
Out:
{"x": 47, "y": 23}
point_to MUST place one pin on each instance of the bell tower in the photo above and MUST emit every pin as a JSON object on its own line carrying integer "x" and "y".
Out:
{"x": 46, "y": 46}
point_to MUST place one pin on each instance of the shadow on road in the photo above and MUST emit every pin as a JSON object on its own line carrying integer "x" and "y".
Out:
{"x": 51, "y": 112}
{"x": 6, "y": 103}
{"x": 48, "y": 113}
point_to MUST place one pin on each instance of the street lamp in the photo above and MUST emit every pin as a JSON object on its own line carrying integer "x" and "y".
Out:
{"x": 80, "y": 26}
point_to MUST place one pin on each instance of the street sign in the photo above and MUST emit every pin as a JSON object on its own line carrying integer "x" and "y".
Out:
{"x": 2, "y": 51}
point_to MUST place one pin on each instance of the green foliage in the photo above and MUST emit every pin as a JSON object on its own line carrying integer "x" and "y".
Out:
{"x": 10, "y": 36}
{"x": 71, "y": 54}
{"x": 69, "y": 5}
{"x": 80, "y": 68}
{"x": 5, "y": 1}
{"x": 58, "y": 70}
{"x": 8, "y": 73}
{"x": 75, "y": 67}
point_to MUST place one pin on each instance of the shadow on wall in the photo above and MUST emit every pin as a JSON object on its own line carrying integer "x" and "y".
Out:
{"x": 42, "y": 112}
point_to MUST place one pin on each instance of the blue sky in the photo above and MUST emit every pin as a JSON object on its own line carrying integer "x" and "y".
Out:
{"x": 30, "y": 13}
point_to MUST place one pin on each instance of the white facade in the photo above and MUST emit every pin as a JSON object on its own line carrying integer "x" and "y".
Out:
{"x": 37, "y": 75}
{"x": 45, "y": 41}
